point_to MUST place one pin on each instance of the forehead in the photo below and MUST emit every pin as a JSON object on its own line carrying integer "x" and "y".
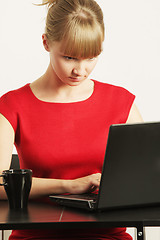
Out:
{"x": 78, "y": 51}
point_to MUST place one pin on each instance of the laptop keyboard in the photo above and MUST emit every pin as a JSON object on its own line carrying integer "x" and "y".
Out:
{"x": 85, "y": 196}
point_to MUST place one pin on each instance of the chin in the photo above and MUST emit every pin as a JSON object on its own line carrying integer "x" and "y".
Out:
{"x": 74, "y": 83}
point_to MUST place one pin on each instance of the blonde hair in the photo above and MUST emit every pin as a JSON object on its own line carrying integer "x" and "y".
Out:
{"x": 78, "y": 24}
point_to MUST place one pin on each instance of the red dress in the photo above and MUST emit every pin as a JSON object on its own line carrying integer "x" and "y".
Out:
{"x": 65, "y": 141}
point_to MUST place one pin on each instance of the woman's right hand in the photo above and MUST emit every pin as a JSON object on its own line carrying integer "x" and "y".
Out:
{"x": 84, "y": 184}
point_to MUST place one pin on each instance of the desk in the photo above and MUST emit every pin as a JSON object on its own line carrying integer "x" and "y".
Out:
{"x": 41, "y": 215}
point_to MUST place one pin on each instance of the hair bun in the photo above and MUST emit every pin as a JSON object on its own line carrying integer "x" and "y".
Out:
{"x": 49, "y": 2}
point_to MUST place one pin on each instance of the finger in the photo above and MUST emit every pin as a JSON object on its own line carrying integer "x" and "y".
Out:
{"x": 96, "y": 182}
{"x": 94, "y": 189}
{"x": 97, "y": 176}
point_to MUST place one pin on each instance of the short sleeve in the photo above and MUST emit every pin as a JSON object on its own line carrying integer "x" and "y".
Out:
{"x": 125, "y": 100}
{"x": 115, "y": 101}
{"x": 8, "y": 108}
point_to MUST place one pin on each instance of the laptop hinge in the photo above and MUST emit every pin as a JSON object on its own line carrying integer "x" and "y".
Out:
{"x": 91, "y": 204}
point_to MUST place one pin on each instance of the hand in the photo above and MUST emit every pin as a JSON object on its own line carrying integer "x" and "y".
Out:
{"x": 83, "y": 184}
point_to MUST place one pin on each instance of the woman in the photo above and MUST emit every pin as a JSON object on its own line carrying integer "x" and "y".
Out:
{"x": 59, "y": 123}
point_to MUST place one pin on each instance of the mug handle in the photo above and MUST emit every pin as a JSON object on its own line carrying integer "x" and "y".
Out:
{"x": 3, "y": 184}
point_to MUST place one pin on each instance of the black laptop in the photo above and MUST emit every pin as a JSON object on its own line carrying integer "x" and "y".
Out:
{"x": 131, "y": 170}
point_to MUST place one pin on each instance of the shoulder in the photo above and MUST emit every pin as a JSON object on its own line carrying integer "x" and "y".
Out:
{"x": 14, "y": 95}
{"x": 10, "y": 104}
{"x": 17, "y": 91}
{"x": 112, "y": 90}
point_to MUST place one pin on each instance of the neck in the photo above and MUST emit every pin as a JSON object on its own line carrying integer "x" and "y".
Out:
{"x": 50, "y": 88}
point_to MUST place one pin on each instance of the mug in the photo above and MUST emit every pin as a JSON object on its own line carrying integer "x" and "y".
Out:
{"x": 17, "y": 184}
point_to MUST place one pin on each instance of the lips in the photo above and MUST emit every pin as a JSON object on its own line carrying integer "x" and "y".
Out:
{"x": 75, "y": 79}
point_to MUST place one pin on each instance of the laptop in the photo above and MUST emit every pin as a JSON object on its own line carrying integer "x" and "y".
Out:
{"x": 131, "y": 170}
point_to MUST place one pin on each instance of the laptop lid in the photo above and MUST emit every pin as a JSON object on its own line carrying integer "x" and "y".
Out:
{"x": 131, "y": 171}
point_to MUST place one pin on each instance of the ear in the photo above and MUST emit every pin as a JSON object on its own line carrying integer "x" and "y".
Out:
{"x": 45, "y": 42}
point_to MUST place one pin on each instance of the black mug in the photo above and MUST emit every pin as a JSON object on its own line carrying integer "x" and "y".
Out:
{"x": 17, "y": 184}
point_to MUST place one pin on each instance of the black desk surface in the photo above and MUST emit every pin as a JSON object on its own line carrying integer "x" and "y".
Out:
{"x": 47, "y": 215}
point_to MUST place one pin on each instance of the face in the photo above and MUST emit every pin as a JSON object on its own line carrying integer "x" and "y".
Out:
{"x": 67, "y": 70}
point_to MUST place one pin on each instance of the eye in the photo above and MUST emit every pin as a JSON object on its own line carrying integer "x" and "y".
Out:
{"x": 69, "y": 58}
{"x": 91, "y": 59}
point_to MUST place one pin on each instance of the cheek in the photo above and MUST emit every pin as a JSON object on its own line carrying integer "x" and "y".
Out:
{"x": 63, "y": 67}
{"x": 91, "y": 67}
{"x": 58, "y": 67}
{"x": 63, "y": 71}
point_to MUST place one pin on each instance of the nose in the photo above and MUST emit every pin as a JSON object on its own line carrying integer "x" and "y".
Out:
{"x": 79, "y": 69}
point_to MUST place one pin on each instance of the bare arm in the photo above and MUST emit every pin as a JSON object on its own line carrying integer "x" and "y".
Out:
{"x": 134, "y": 115}
{"x": 40, "y": 186}
{"x": 45, "y": 187}
{"x": 6, "y": 147}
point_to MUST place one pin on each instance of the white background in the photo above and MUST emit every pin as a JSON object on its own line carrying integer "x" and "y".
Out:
{"x": 131, "y": 56}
